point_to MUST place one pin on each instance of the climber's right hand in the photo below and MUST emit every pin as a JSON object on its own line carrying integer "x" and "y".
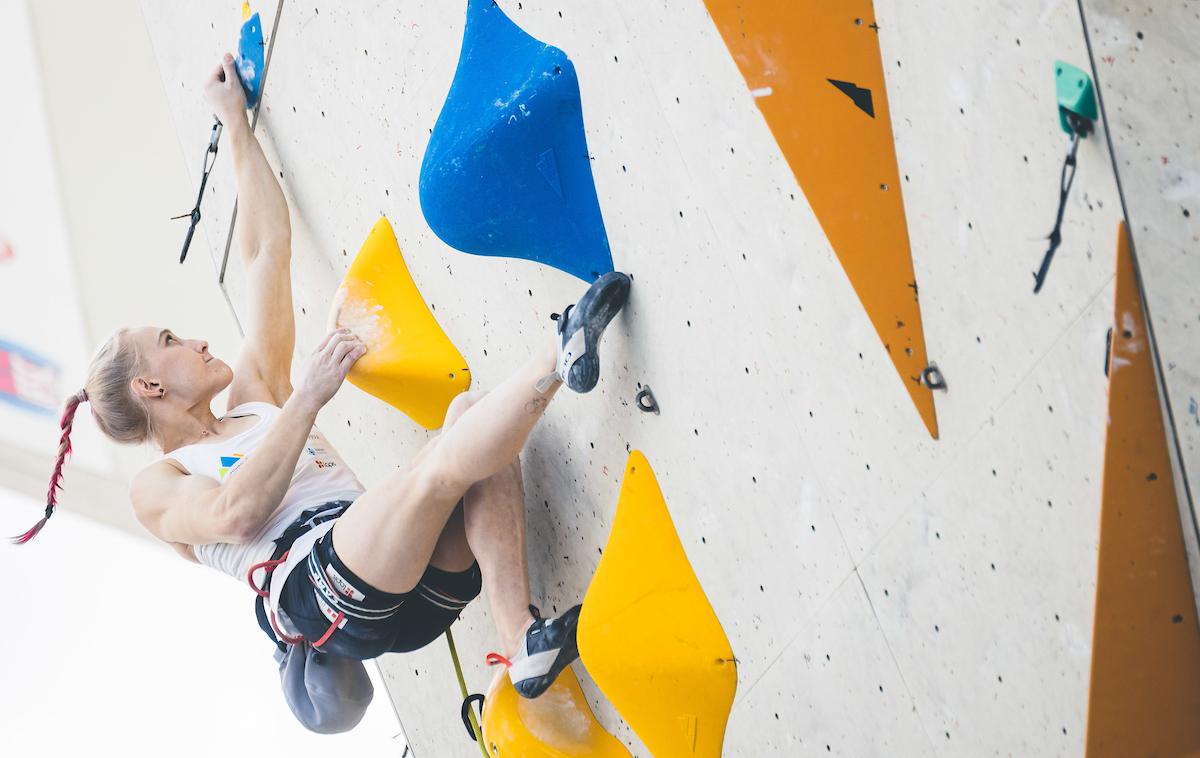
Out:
{"x": 328, "y": 366}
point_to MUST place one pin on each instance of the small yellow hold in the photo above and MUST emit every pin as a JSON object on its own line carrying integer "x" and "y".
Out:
{"x": 649, "y": 636}
{"x": 559, "y": 724}
{"x": 245, "y": 10}
{"x": 410, "y": 363}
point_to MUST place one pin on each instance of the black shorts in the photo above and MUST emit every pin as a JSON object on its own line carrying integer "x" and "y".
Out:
{"x": 374, "y": 622}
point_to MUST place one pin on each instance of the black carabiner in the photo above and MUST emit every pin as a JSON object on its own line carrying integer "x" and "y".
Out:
{"x": 465, "y": 713}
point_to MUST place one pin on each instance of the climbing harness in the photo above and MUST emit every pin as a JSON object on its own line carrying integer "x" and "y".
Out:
{"x": 264, "y": 592}
{"x": 266, "y": 617}
{"x": 210, "y": 160}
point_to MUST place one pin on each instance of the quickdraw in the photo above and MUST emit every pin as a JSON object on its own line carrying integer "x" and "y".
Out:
{"x": 210, "y": 160}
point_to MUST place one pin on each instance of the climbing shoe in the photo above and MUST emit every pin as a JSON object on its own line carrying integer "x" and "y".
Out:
{"x": 580, "y": 327}
{"x": 548, "y": 648}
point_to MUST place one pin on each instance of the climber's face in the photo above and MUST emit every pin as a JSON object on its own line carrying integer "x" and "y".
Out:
{"x": 179, "y": 368}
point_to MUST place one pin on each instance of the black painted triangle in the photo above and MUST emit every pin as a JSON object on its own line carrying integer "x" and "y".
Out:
{"x": 860, "y": 96}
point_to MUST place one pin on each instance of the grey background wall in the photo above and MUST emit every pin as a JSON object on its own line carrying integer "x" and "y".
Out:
{"x": 120, "y": 176}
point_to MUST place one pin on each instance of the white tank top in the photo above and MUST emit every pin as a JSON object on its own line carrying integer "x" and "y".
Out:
{"x": 320, "y": 476}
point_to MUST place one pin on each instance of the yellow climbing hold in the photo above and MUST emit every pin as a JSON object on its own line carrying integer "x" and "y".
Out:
{"x": 649, "y": 636}
{"x": 245, "y": 10}
{"x": 410, "y": 362}
{"x": 559, "y": 724}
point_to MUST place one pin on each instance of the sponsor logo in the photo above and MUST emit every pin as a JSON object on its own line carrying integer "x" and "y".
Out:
{"x": 228, "y": 464}
{"x": 342, "y": 586}
{"x": 316, "y": 451}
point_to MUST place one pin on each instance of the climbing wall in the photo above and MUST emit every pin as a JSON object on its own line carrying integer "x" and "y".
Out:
{"x": 1157, "y": 145}
{"x": 884, "y": 592}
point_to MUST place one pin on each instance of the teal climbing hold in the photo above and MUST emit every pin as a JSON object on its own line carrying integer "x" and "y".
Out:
{"x": 1076, "y": 95}
{"x": 507, "y": 171}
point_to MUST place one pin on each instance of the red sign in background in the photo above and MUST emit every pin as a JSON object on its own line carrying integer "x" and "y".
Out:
{"x": 27, "y": 380}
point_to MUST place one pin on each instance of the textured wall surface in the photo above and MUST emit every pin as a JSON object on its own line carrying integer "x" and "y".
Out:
{"x": 1146, "y": 56}
{"x": 884, "y": 593}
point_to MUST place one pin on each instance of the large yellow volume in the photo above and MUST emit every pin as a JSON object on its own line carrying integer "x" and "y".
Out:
{"x": 410, "y": 362}
{"x": 649, "y": 636}
{"x": 558, "y": 724}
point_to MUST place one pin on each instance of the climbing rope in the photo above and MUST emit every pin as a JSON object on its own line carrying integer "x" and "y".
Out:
{"x": 468, "y": 713}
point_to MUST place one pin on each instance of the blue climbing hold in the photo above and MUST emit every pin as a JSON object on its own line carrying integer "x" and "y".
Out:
{"x": 250, "y": 59}
{"x": 507, "y": 170}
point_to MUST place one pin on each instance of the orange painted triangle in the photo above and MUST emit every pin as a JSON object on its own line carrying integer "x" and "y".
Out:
{"x": 1145, "y": 690}
{"x": 817, "y": 76}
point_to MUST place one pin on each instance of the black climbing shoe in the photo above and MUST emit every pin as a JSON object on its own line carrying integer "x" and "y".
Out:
{"x": 548, "y": 648}
{"x": 580, "y": 327}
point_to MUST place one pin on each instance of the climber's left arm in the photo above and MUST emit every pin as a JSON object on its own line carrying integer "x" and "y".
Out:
{"x": 263, "y": 368}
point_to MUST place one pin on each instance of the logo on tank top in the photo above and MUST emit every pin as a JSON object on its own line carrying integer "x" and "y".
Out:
{"x": 317, "y": 452}
{"x": 228, "y": 463}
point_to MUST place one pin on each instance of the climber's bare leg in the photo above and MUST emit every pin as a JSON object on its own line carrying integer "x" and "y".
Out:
{"x": 389, "y": 537}
{"x": 489, "y": 527}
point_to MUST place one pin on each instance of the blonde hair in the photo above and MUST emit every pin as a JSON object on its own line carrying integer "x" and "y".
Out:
{"x": 120, "y": 414}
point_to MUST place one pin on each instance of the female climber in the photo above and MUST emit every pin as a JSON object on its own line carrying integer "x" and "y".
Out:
{"x": 354, "y": 572}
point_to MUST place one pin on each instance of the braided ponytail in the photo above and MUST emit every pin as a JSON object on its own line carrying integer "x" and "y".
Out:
{"x": 64, "y": 451}
{"x": 119, "y": 414}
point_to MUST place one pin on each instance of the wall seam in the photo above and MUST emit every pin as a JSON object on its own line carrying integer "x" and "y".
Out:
{"x": 1160, "y": 375}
